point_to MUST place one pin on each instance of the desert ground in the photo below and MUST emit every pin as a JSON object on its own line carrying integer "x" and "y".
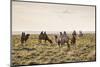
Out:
{"x": 33, "y": 52}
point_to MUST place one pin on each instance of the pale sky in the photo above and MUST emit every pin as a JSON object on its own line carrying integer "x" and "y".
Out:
{"x": 28, "y": 16}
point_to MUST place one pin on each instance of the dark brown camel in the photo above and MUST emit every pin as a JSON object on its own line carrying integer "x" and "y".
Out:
{"x": 24, "y": 37}
{"x": 44, "y": 36}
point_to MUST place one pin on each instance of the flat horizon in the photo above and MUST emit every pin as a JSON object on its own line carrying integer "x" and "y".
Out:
{"x": 48, "y": 32}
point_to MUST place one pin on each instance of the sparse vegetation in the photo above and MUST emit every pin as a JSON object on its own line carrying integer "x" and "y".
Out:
{"x": 34, "y": 53}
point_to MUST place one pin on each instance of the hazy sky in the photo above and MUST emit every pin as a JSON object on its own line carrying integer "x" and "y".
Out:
{"x": 52, "y": 17}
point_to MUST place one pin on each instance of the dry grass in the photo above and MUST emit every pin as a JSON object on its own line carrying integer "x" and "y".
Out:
{"x": 34, "y": 53}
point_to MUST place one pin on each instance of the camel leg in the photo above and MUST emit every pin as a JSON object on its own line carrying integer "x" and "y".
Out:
{"x": 45, "y": 41}
{"x": 68, "y": 45}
